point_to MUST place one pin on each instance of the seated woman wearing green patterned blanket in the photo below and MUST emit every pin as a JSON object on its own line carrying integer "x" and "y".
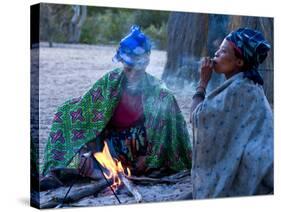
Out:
{"x": 129, "y": 109}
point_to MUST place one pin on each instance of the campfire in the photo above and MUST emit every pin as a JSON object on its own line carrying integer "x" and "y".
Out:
{"x": 115, "y": 172}
{"x": 113, "y": 166}
{"x": 142, "y": 188}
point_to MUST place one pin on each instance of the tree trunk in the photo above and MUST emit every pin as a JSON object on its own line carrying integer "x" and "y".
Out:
{"x": 190, "y": 37}
{"x": 184, "y": 42}
{"x": 76, "y": 23}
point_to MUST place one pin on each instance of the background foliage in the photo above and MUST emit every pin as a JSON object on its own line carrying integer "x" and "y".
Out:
{"x": 102, "y": 25}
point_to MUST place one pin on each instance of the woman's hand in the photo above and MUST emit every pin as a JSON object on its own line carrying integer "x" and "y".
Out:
{"x": 206, "y": 71}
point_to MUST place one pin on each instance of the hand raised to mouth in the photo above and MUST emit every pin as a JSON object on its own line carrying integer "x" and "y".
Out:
{"x": 206, "y": 71}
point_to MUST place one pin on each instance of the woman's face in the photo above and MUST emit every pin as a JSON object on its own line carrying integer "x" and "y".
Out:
{"x": 132, "y": 74}
{"x": 136, "y": 72}
{"x": 225, "y": 61}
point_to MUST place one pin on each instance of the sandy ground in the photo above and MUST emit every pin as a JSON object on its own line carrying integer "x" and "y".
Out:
{"x": 67, "y": 71}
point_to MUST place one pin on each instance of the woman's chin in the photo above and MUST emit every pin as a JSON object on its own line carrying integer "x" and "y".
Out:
{"x": 217, "y": 71}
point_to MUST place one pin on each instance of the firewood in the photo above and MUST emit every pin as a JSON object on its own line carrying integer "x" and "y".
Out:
{"x": 168, "y": 188}
{"x": 75, "y": 194}
{"x": 149, "y": 180}
{"x": 132, "y": 189}
{"x": 179, "y": 177}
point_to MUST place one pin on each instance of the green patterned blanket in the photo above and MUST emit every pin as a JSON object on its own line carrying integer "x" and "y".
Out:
{"x": 80, "y": 120}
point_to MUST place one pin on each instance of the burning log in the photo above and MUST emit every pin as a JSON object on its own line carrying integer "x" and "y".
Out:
{"x": 116, "y": 172}
{"x": 131, "y": 188}
{"x": 75, "y": 195}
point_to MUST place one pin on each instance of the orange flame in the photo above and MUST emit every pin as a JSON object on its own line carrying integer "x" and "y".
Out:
{"x": 113, "y": 166}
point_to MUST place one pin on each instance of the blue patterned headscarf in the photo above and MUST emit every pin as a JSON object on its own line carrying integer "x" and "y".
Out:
{"x": 134, "y": 49}
{"x": 252, "y": 47}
